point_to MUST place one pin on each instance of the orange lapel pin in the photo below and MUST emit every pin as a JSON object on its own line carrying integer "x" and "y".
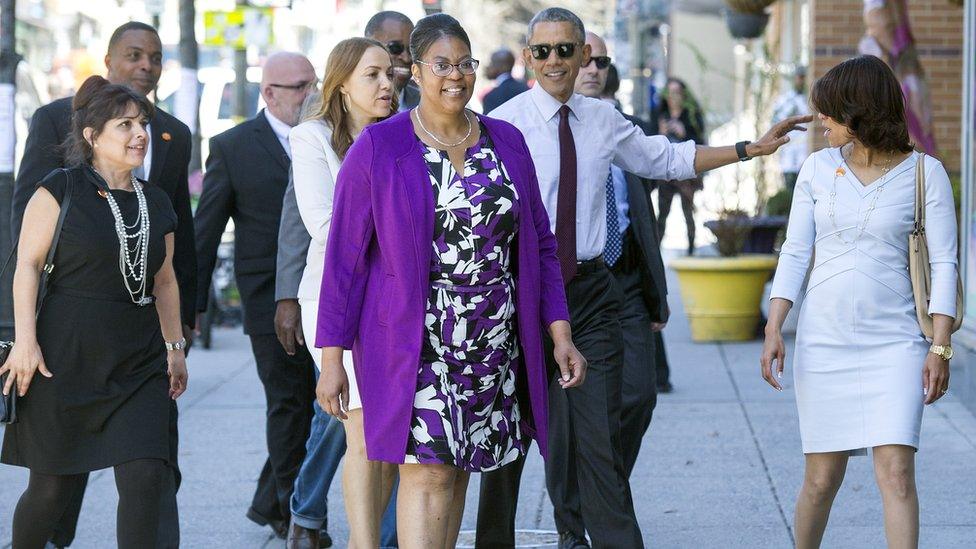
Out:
{"x": 166, "y": 136}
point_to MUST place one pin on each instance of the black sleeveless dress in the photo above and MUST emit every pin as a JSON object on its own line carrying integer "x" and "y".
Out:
{"x": 108, "y": 400}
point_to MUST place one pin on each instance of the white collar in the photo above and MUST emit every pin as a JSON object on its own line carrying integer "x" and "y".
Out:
{"x": 280, "y": 129}
{"x": 548, "y": 105}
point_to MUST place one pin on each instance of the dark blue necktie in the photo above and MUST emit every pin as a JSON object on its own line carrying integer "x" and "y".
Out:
{"x": 615, "y": 245}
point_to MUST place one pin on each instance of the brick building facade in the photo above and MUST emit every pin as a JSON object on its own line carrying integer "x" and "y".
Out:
{"x": 836, "y": 27}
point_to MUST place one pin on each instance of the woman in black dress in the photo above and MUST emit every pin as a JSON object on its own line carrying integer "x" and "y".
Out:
{"x": 679, "y": 118}
{"x": 107, "y": 343}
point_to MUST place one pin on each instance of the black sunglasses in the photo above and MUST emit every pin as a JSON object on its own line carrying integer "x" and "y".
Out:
{"x": 602, "y": 61}
{"x": 564, "y": 50}
{"x": 395, "y": 47}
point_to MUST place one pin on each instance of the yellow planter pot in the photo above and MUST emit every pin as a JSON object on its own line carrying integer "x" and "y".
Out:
{"x": 721, "y": 294}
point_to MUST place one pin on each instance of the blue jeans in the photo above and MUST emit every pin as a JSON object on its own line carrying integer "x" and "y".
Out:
{"x": 325, "y": 447}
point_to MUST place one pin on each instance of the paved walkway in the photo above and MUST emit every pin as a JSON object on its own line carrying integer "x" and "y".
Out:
{"x": 721, "y": 464}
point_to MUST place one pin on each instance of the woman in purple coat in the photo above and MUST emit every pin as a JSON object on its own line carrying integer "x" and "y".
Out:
{"x": 441, "y": 276}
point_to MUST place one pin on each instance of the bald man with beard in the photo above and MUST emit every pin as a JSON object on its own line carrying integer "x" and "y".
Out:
{"x": 245, "y": 180}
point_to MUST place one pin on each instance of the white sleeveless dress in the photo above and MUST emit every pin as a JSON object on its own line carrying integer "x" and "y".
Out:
{"x": 859, "y": 350}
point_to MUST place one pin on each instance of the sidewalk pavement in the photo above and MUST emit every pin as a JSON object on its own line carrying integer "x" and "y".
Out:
{"x": 720, "y": 467}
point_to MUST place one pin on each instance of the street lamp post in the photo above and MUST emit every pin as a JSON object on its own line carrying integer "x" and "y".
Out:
{"x": 240, "y": 82}
{"x": 8, "y": 141}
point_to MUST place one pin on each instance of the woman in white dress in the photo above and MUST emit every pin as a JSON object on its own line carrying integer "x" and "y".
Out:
{"x": 357, "y": 91}
{"x": 863, "y": 369}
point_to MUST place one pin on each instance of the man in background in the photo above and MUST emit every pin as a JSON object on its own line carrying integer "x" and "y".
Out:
{"x": 392, "y": 29}
{"x": 246, "y": 177}
{"x": 506, "y": 86}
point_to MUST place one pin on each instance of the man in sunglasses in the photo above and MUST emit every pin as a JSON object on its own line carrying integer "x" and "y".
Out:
{"x": 573, "y": 141}
{"x": 392, "y": 29}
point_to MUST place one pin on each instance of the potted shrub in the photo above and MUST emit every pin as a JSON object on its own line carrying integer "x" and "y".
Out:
{"x": 721, "y": 294}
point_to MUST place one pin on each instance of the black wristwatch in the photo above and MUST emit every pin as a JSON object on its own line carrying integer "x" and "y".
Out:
{"x": 740, "y": 149}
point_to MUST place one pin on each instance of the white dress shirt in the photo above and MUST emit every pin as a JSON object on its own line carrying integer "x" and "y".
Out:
{"x": 602, "y": 136}
{"x": 280, "y": 129}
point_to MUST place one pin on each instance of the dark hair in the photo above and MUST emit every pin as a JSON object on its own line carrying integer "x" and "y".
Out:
{"x": 689, "y": 104}
{"x": 97, "y": 102}
{"x": 376, "y": 21}
{"x": 432, "y": 28}
{"x": 863, "y": 94}
{"x": 612, "y": 85}
{"x": 130, "y": 26}
{"x": 558, "y": 15}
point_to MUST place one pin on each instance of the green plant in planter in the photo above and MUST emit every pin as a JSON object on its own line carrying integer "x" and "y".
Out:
{"x": 730, "y": 229}
{"x": 779, "y": 203}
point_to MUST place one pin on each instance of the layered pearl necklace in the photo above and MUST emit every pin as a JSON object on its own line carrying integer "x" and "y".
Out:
{"x": 133, "y": 260}
{"x": 874, "y": 201}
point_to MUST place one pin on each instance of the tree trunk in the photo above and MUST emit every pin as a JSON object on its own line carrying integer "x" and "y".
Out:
{"x": 188, "y": 96}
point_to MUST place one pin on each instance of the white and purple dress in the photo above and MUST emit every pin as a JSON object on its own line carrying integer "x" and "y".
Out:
{"x": 465, "y": 411}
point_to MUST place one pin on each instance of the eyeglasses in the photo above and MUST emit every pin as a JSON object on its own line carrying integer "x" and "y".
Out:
{"x": 395, "y": 47}
{"x": 602, "y": 61}
{"x": 299, "y": 86}
{"x": 443, "y": 68}
{"x": 564, "y": 50}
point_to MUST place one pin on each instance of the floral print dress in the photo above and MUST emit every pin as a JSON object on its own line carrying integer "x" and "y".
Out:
{"x": 465, "y": 411}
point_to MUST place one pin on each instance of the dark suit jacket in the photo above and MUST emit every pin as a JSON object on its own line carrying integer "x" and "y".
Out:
{"x": 643, "y": 227}
{"x": 43, "y": 153}
{"x": 246, "y": 177}
{"x": 502, "y": 93}
{"x": 411, "y": 96}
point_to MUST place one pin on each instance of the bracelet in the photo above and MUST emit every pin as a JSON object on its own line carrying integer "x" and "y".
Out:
{"x": 176, "y": 345}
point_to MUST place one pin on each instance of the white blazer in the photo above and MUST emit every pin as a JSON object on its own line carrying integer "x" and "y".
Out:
{"x": 314, "y": 168}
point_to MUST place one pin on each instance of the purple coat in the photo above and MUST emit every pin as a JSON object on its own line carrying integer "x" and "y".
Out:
{"x": 376, "y": 278}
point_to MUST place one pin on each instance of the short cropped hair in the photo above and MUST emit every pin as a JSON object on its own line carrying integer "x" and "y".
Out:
{"x": 130, "y": 26}
{"x": 376, "y": 21}
{"x": 558, "y": 15}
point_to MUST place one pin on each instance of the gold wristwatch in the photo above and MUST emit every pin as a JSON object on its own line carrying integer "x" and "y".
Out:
{"x": 943, "y": 351}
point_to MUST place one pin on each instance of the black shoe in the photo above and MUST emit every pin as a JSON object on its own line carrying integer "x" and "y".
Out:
{"x": 279, "y": 526}
{"x": 665, "y": 387}
{"x": 569, "y": 540}
{"x": 325, "y": 540}
{"x": 302, "y": 538}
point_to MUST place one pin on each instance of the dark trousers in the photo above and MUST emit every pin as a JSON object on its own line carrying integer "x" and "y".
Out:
{"x": 661, "y": 360}
{"x": 639, "y": 394}
{"x": 289, "y": 389}
{"x": 168, "y": 534}
{"x": 585, "y": 471}
{"x": 665, "y": 195}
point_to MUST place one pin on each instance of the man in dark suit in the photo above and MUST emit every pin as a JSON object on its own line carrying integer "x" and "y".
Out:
{"x": 392, "y": 29}
{"x": 246, "y": 177}
{"x": 134, "y": 59}
{"x": 506, "y": 86}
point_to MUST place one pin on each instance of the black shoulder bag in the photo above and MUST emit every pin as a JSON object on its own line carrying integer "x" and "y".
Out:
{"x": 8, "y": 403}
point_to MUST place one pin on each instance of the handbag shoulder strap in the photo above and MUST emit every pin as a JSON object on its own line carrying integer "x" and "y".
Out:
{"x": 49, "y": 261}
{"x": 65, "y": 202}
{"x": 920, "y": 193}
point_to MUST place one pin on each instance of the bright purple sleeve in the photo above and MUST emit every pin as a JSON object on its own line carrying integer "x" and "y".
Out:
{"x": 352, "y": 230}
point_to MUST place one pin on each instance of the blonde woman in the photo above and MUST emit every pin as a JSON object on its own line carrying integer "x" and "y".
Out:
{"x": 357, "y": 91}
